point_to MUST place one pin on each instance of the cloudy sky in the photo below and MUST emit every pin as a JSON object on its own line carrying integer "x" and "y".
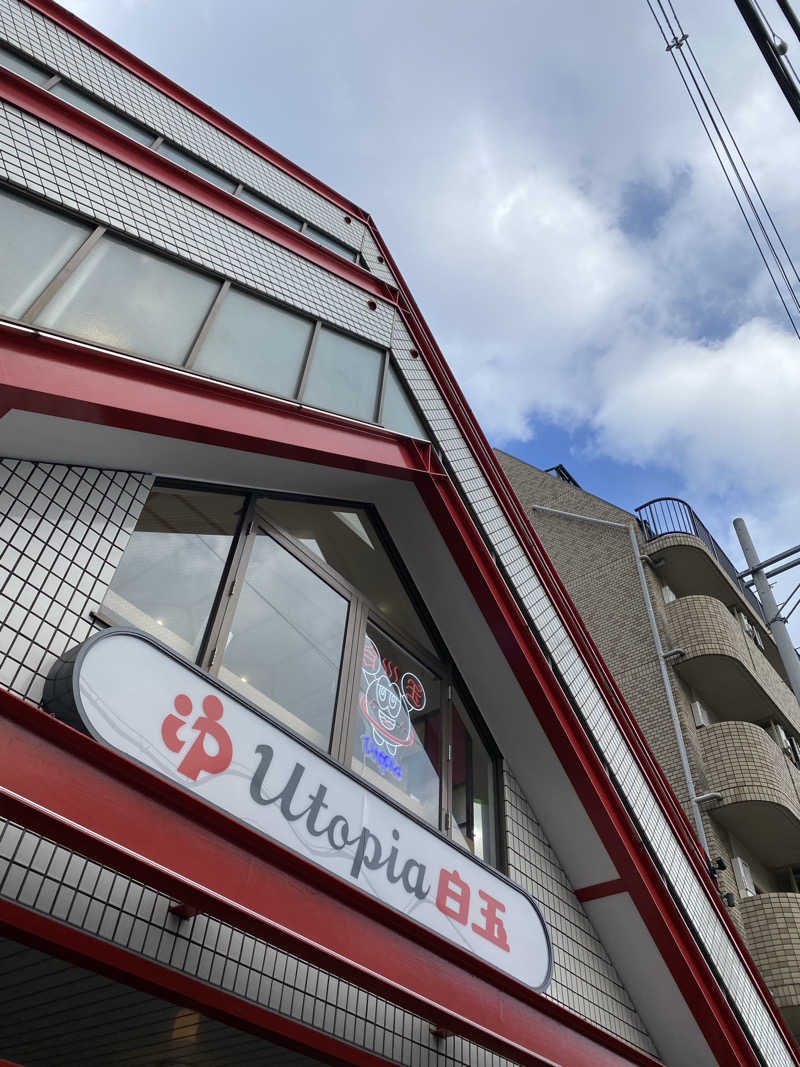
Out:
{"x": 547, "y": 190}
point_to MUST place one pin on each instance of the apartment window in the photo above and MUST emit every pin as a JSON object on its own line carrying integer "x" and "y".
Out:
{"x": 203, "y": 170}
{"x": 100, "y": 111}
{"x": 301, "y": 608}
{"x": 62, "y": 275}
{"x": 24, "y": 67}
{"x": 744, "y": 877}
{"x": 667, "y": 593}
{"x": 271, "y": 209}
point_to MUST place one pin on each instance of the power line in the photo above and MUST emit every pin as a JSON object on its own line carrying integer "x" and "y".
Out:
{"x": 719, "y": 137}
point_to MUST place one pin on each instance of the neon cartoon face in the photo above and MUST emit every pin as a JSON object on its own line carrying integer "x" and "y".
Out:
{"x": 386, "y": 702}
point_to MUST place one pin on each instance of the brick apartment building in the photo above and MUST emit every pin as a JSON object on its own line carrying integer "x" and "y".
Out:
{"x": 738, "y": 745}
{"x": 306, "y": 755}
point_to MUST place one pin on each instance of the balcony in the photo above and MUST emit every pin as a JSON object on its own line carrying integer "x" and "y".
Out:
{"x": 772, "y": 927}
{"x": 694, "y": 562}
{"x": 760, "y": 788}
{"x": 724, "y": 666}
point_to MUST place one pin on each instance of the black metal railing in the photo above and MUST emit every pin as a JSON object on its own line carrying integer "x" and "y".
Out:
{"x": 667, "y": 514}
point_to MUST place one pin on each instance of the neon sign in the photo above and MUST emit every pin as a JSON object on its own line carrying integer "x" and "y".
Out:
{"x": 387, "y": 699}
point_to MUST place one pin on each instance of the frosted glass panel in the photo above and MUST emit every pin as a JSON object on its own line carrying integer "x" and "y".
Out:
{"x": 36, "y": 243}
{"x": 331, "y": 242}
{"x": 270, "y": 209}
{"x": 124, "y": 297}
{"x": 100, "y": 111}
{"x": 11, "y": 61}
{"x": 398, "y": 413}
{"x": 194, "y": 165}
{"x": 344, "y": 376}
{"x": 255, "y": 344}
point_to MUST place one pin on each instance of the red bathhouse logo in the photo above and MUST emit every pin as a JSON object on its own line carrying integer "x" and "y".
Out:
{"x": 198, "y": 757}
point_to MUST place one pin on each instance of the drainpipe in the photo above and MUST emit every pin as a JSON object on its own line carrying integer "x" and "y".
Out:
{"x": 662, "y": 656}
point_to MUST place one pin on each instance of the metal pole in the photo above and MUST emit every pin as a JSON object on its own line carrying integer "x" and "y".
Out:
{"x": 776, "y": 623}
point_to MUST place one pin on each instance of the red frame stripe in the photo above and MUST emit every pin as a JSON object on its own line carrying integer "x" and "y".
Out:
{"x": 600, "y": 890}
{"x": 450, "y": 390}
{"x": 71, "y": 788}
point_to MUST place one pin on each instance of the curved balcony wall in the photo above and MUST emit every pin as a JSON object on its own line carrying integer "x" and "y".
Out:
{"x": 760, "y": 790}
{"x": 772, "y": 927}
{"x": 724, "y": 667}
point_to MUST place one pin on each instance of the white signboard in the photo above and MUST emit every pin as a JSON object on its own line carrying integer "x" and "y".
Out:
{"x": 142, "y": 700}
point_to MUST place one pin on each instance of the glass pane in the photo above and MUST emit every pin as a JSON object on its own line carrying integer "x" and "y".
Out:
{"x": 255, "y": 344}
{"x": 270, "y": 209}
{"x": 202, "y": 169}
{"x": 36, "y": 244}
{"x": 330, "y": 242}
{"x": 100, "y": 111}
{"x": 284, "y": 651}
{"x": 124, "y": 297}
{"x": 474, "y": 815}
{"x": 11, "y": 61}
{"x": 344, "y": 376}
{"x": 346, "y": 540}
{"x": 168, "y": 577}
{"x": 395, "y": 742}
{"x": 398, "y": 413}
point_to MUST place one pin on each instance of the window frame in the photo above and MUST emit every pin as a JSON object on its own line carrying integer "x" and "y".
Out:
{"x": 97, "y": 231}
{"x": 361, "y": 613}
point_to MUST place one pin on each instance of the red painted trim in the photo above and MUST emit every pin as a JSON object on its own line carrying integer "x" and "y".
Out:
{"x": 159, "y": 81}
{"x": 56, "y": 376}
{"x": 128, "y": 400}
{"x": 569, "y": 615}
{"x": 494, "y": 474}
{"x": 600, "y": 890}
{"x": 63, "y": 784}
{"x": 57, "y": 939}
{"x": 57, "y": 112}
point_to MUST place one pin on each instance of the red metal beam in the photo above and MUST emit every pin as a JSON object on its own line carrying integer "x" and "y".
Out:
{"x": 600, "y": 890}
{"x": 64, "y": 116}
{"x": 423, "y": 337}
{"x": 171, "y": 89}
{"x": 68, "y": 943}
{"x": 56, "y": 377}
{"x": 69, "y": 787}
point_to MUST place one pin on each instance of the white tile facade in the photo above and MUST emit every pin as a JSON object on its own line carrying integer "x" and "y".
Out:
{"x": 57, "y": 167}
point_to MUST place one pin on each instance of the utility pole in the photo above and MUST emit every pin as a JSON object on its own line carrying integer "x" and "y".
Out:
{"x": 775, "y": 620}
